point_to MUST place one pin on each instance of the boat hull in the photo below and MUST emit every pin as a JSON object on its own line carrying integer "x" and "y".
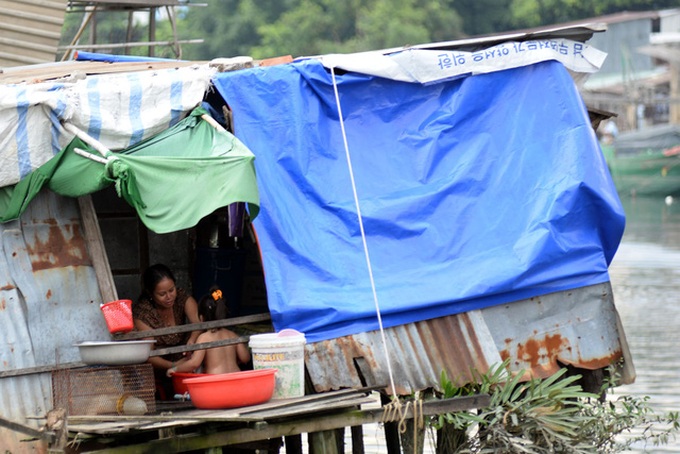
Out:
{"x": 646, "y": 175}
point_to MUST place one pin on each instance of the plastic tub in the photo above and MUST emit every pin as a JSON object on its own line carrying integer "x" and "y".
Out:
{"x": 118, "y": 316}
{"x": 178, "y": 381}
{"x": 237, "y": 389}
{"x": 115, "y": 353}
{"x": 284, "y": 351}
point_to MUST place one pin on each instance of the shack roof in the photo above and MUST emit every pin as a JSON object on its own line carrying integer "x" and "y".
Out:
{"x": 51, "y": 71}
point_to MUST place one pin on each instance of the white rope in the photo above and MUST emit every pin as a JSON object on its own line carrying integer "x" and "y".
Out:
{"x": 363, "y": 235}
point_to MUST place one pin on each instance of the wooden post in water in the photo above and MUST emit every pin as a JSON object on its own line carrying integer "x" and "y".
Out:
{"x": 391, "y": 430}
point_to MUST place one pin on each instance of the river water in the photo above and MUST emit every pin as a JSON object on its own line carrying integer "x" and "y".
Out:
{"x": 645, "y": 277}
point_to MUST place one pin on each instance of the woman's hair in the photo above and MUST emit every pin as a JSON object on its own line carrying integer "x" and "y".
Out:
{"x": 213, "y": 305}
{"x": 152, "y": 276}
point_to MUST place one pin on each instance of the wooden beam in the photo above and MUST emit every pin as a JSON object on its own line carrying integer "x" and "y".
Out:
{"x": 27, "y": 430}
{"x": 201, "y": 346}
{"x": 95, "y": 247}
{"x": 40, "y": 369}
{"x": 104, "y": 279}
{"x": 195, "y": 327}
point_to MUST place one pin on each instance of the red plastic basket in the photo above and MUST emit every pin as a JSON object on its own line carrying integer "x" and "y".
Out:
{"x": 118, "y": 316}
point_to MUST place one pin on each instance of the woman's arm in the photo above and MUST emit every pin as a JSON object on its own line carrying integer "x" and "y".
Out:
{"x": 156, "y": 361}
{"x": 191, "y": 311}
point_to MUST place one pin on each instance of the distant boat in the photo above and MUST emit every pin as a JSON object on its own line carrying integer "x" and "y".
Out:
{"x": 646, "y": 162}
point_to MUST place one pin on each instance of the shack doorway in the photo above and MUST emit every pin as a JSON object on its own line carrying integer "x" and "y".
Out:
{"x": 208, "y": 254}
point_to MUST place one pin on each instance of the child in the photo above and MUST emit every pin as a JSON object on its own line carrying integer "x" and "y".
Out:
{"x": 217, "y": 360}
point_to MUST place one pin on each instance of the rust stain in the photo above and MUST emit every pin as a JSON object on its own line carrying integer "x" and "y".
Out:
{"x": 59, "y": 250}
{"x": 7, "y": 287}
{"x": 49, "y": 294}
{"x": 599, "y": 363}
{"x": 541, "y": 355}
{"x": 3, "y": 304}
{"x": 536, "y": 352}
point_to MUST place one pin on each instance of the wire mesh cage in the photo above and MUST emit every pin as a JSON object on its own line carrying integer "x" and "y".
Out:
{"x": 104, "y": 390}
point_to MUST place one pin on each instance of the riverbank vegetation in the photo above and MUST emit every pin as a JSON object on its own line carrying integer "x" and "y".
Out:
{"x": 552, "y": 415}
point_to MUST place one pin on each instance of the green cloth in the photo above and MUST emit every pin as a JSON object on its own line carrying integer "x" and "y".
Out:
{"x": 172, "y": 179}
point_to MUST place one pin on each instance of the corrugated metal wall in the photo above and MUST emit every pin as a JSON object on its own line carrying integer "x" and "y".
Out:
{"x": 621, "y": 42}
{"x": 578, "y": 327}
{"x": 30, "y": 31}
{"x": 49, "y": 300}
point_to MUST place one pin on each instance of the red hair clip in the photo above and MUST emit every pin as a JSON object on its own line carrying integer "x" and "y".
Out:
{"x": 217, "y": 294}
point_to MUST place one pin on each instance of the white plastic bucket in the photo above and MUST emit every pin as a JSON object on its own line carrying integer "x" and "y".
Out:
{"x": 284, "y": 351}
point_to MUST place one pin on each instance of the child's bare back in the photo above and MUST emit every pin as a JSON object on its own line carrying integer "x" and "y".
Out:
{"x": 222, "y": 360}
{"x": 216, "y": 360}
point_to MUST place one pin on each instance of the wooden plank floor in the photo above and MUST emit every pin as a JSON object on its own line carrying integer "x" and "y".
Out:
{"x": 274, "y": 409}
{"x": 189, "y": 429}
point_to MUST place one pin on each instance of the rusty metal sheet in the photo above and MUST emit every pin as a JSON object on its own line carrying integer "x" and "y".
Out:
{"x": 577, "y": 327}
{"x": 30, "y": 31}
{"x": 49, "y": 300}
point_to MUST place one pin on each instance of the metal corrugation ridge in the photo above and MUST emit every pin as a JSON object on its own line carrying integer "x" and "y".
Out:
{"x": 538, "y": 335}
{"x": 418, "y": 353}
{"x": 578, "y": 31}
{"x": 30, "y": 31}
{"x": 49, "y": 300}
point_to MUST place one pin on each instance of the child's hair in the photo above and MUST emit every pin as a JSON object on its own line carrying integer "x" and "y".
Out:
{"x": 213, "y": 306}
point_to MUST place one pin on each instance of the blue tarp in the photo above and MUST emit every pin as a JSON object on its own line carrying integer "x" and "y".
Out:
{"x": 474, "y": 192}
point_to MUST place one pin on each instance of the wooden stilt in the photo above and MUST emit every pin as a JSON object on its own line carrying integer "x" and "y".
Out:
{"x": 357, "y": 439}
{"x": 293, "y": 444}
{"x": 412, "y": 439}
{"x": 391, "y": 430}
{"x": 325, "y": 442}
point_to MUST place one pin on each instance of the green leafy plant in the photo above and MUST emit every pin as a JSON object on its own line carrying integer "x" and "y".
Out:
{"x": 552, "y": 415}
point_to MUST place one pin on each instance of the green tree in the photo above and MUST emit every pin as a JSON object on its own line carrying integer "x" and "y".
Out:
{"x": 269, "y": 28}
{"x": 326, "y": 26}
{"x": 228, "y": 27}
{"x": 483, "y": 17}
{"x": 534, "y": 13}
{"x": 312, "y": 27}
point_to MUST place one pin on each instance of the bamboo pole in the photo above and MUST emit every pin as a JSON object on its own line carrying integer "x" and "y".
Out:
{"x": 91, "y": 141}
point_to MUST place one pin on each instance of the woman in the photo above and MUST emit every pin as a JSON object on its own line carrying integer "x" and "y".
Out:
{"x": 163, "y": 305}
